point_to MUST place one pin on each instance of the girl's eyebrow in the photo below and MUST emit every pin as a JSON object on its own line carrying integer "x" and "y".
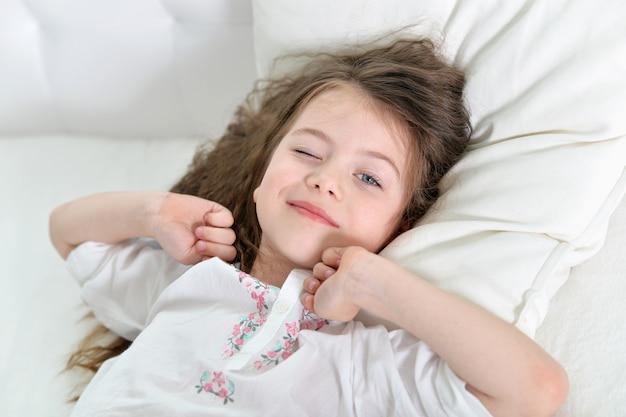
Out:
{"x": 324, "y": 137}
{"x": 314, "y": 132}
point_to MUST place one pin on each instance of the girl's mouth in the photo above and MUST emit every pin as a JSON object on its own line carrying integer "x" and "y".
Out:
{"x": 313, "y": 212}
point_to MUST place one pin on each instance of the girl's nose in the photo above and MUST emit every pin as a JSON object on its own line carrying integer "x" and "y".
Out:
{"x": 326, "y": 182}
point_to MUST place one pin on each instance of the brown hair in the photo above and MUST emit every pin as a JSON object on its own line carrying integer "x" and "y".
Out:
{"x": 407, "y": 81}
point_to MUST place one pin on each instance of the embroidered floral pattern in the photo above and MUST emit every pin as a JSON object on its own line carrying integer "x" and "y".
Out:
{"x": 249, "y": 324}
{"x": 287, "y": 345}
{"x": 283, "y": 348}
{"x": 257, "y": 289}
{"x": 310, "y": 321}
{"x": 218, "y": 384}
{"x": 243, "y": 331}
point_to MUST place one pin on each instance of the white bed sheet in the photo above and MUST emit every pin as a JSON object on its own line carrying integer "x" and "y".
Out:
{"x": 41, "y": 307}
{"x": 585, "y": 328}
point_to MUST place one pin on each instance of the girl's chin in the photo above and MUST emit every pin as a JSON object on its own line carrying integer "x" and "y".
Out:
{"x": 299, "y": 262}
{"x": 301, "y": 251}
{"x": 303, "y": 263}
{"x": 284, "y": 261}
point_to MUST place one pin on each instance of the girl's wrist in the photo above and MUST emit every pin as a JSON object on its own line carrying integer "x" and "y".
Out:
{"x": 365, "y": 285}
{"x": 149, "y": 212}
{"x": 382, "y": 288}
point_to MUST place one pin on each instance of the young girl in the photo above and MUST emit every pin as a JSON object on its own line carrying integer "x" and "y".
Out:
{"x": 306, "y": 186}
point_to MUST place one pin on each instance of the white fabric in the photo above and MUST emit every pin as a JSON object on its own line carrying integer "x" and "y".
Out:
{"x": 585, "y": 329}
{"x": 216, "y": 341}
{"x": 119, "y": 300}
{"x": 545, "y": 167}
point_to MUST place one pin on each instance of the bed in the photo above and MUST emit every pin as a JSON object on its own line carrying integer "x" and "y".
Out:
{"x": 113, "y": 95}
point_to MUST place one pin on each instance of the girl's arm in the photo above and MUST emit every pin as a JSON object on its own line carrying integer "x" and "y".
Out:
{"x": 507, "y": 371}
{"x": 188, "y": 228}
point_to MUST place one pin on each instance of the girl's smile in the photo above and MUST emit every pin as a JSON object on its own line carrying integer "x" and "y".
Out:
{"x": 313, "y": 212}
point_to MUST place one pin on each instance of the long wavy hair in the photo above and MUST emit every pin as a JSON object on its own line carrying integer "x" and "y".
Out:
{"x": 407, "y": 80}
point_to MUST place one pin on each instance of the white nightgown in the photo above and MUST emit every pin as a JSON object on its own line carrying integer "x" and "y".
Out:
{"x": 210, "y": 340}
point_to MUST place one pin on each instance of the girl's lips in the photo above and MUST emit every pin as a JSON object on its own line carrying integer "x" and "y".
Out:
{"x": 313, "y": 212}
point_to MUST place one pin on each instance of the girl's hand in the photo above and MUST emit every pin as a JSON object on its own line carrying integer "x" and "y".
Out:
{"x": 191, "y": 229}
{"x": 331, "y": 291}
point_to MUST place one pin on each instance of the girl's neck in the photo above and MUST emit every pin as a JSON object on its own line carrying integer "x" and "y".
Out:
{"x": 270, "y": 271}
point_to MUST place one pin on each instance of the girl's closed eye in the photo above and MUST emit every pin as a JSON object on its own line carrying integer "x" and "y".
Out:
{"x": 306, "y": 153}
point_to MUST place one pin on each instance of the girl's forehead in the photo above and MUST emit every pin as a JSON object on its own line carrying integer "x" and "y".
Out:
{"x": 335, "y": 97}
{"x": 350, "y": 104}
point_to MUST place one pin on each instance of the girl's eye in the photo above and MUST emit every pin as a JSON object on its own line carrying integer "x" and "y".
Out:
{"x": 305, "y": 153}
{"x": 368, "y": 179}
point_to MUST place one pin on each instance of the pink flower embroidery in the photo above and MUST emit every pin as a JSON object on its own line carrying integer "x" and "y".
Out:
{"x": 283, "y": 348}
{"x": 218, "y": 378}
{"x": 249, "y": 324}
{"x": 292, "y": 329}
{"x": 243, "y": 331}
{"x": 286, "y": 346}
{"x": 311, "y": 321}
{"x": 218, "y": 384}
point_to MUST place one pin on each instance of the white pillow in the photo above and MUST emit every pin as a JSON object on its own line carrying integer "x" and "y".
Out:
{"x": 545, "y": 168}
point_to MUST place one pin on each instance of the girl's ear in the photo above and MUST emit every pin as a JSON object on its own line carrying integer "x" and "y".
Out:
{"x": 254, "y": 194}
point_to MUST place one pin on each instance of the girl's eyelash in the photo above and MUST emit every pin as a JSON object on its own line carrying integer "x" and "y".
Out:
{"x": 368, "y": 179}
{"x": 305, "y": 153}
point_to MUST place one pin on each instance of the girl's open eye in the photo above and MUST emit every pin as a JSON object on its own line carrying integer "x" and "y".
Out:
{"x": 368, "y": 179}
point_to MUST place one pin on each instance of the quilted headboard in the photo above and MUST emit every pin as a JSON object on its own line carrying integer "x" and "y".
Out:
{"x": 154, "y": 69}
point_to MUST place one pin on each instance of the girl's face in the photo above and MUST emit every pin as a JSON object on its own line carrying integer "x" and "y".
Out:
{"x": 337, "y": 178}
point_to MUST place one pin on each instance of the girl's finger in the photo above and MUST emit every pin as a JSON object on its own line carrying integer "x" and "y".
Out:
{"x": 212, "y": 249}
{"x": 332, "y": 257}
{"x": 219, "y": 217}
{"x": 308, "y": 301}
{"x": 311, "y": 284}
{"x": 225, "y": 236}
{"x": 321, "y": 271}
